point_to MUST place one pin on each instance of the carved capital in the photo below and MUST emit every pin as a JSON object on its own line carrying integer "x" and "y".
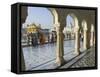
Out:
{"x": 85, "y": 28}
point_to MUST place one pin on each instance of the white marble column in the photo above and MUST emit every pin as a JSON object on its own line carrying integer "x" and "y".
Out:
{"x": 92, "y": 36}
{"x": 85, "y": 36}
{"x": 59, "y": 46}
{"x": 77, "y": 40}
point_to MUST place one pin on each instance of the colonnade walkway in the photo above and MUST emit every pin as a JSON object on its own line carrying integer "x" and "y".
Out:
{"x": 86, "y": 59}
{"x": 44, "y": 56}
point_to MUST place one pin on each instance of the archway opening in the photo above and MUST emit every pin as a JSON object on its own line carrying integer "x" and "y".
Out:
{"x": 38, "y": 37}
{"x": 72, "y": 34}
{"x": 69, "y": 34}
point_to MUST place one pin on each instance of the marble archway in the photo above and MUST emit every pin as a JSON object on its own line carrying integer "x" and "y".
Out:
{"x": 59, "y": 50}
{"x": 77, "y": 33}
{"x": 84, "y": 25}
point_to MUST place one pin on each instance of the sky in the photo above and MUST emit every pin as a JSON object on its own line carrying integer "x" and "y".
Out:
{"x": 69, "y": 21}
{"x": 41, "y": 15}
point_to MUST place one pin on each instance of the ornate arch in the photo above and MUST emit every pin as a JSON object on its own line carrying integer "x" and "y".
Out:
{"x": 55, "y": 15}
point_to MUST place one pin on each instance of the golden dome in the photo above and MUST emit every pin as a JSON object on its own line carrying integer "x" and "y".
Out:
{"x": 32, "y": 28}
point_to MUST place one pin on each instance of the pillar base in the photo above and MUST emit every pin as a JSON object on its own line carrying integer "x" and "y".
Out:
{"x": 60, "y": 61}
{"x": 77, "y": 52}
{"x": 85, "y": 48}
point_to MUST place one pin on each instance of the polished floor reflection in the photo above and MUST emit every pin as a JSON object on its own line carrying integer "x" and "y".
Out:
{"x": 41, "y": 54}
